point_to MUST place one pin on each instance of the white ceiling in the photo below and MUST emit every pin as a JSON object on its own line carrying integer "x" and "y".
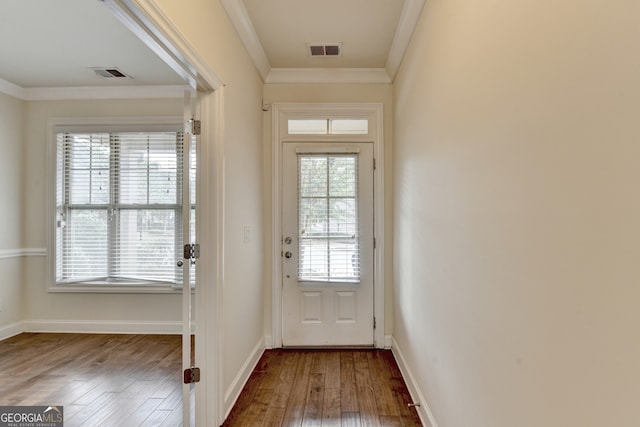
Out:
{"x": 54, "y": 44}
{"x": 364, "y": 27}
{"x": 374, "y": 35}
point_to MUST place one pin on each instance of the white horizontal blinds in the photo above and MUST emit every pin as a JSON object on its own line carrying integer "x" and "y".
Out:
{"x": 119, "y": 194}
{"x": 147, "y": 202}
{"x": 83, "y": 207}
{"x": 329, "y": 238}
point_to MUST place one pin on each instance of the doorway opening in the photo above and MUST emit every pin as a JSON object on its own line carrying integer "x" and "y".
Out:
{"x": 328, "y": 227}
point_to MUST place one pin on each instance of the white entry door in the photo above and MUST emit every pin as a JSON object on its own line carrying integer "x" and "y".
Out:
{"x": 328, "y": 244}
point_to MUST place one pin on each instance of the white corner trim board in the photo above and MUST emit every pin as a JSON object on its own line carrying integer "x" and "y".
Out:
{"x": 268, "y": 342}
{"x": 424, "y": 411}
{"x": 16, "y": 253}
{"x": 388, "y": 342}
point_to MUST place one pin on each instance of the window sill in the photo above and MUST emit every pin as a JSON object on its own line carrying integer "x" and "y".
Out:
{"x": 112, "y": 289}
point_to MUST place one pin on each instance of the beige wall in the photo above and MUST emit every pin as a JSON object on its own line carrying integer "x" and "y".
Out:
{"x": 45, "y": 306}
{"x": 11, "y": 191}
{"x": 205, "y": 25}
{"x": 517, "y": 212}
{"x": 327, "y": 93}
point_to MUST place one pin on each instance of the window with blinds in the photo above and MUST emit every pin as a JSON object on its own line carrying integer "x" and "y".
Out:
{"x": 119, "y": 208}
{"x": 329, "y": 235}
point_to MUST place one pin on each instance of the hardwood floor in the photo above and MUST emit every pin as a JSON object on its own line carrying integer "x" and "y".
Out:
{"x": 101, "y": 380}
{"x": 135, "y": 380}
{"x": 324, "y": 388}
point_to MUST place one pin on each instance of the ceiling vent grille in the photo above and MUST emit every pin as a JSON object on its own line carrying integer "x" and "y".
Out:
{"x": 325, "y": 49}
{"x": 110, "y": 73}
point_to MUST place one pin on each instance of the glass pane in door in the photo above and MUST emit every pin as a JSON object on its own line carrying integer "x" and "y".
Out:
{"x": 329, "y": 240}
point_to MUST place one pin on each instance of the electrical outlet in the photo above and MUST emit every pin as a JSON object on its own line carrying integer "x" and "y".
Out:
{"x": 247, "y": 234}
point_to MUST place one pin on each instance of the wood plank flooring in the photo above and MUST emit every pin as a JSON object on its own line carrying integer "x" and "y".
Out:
{"x": 101, "y": 380}
{"x": 324, "y": 388}
{"x": 135, "y": 380}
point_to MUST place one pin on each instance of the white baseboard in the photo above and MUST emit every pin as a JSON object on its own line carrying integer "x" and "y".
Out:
{"x": 103, "y": 327}
{"x": 233, "y": 392}
{"x": 424, "y": 412}
{"x": 11, "y": 330}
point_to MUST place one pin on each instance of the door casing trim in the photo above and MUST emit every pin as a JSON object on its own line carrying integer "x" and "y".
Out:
{"x": 373, "y": 111}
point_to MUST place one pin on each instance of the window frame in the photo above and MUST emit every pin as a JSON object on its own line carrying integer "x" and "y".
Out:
{"x": 94, "y": 125}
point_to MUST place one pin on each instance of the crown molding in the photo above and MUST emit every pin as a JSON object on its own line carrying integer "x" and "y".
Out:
{"x": 239, "y": 17}
{"x": 10, "y": 89}
{"x": 101, "y": 92}
{"x": 240, "y": 20}
{"x": 328, "y": 75}
{"x": 92, "y": 92}
{"x": 404, "y": 31}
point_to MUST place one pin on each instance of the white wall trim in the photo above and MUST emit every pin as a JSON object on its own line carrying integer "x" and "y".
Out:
{"x": 103, "y": 327}
{"x": 237, "y": 13}
{"x": 11, "y": 89}
{"x": 234, "y": 390}
{"x": 210, "y": 224}
{"x": 424, "y": 411}
{"x": 11, "y": 330}
{"x": 329, "y": 75}
{"x": 92, "y": 92}
{"x": 23, "y": 252}
{"x": 103, "y": 92}
{"x": 404, "y": 31}
{"x": 388, "y": 342}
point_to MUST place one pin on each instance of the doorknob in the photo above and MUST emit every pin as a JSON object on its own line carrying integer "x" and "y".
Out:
{"x": 288, "y": 254}
{"x": 287, "y": 240}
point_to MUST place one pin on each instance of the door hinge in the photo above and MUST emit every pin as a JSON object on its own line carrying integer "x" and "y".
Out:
{"x": 192, "y": 375}
{"x": 192, "y": 251}
{"x": 193, "y": 126}
{"x": 374, "y": 323}
{"x": 374, "y": 164}
{"x": 374, "y": 243}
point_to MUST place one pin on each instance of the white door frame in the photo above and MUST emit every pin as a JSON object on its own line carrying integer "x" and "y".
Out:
{"x": 281, "y": 113}
{"x": 151, "y": 26}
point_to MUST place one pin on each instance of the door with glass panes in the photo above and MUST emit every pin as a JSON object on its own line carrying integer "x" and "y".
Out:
{"x": 327, "y": 257}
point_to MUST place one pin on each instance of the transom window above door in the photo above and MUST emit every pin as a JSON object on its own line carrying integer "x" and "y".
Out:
{"x": 339, "y": 126}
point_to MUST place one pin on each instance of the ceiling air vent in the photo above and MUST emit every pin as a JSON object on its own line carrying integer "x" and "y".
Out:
{"x": 110, "y": 73}
{"x": 325, "y": 49}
